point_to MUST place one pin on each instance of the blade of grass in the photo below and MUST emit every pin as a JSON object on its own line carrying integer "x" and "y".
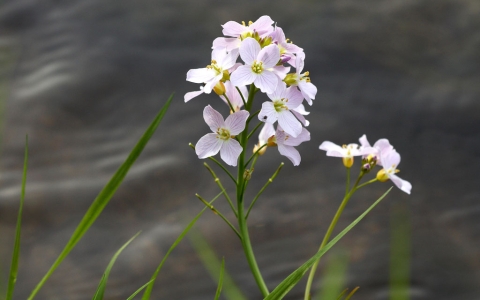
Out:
{"x": 104, "y": 196}
{"x": 399, "y": 254}
{"x": 220, "y": 281}
{"x": 333, "y": 279}
{"x": 212, "y": 264}
{"x": 148, "y": 291}
{"x": 139, "y": 290}
{"x": 16, "y": 249}
{"x": 288, "y": 283}
{"x": 103, "y": 282}
{"x": 351, "y": 293}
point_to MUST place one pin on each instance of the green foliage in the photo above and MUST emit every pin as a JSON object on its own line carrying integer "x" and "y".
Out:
{"x": 148, "y": 291}
{"x": 104, "y": 196}
{"x": 220, "y": 280}
{"x": 103, "y": 282}
{"x": 333, "y": 280}
{"x": 288, "y": 283}
{"x": 213, "y": 265}
{"x": 399, "y": 254}
{"x": 16, "y": 249}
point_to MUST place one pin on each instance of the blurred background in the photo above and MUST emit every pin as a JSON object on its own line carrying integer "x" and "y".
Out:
{"x": 84, "y": 79}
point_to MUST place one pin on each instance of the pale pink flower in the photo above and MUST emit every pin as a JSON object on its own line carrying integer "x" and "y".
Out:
{"x": 222, "y": 63}
{"x": 346, "y": 152}
{"x": 238, "y": 32}
{"x": 300, "y": 112}
{"x": 287, "y": 50}
{"x": 258, "y": 66}
{"x": 190, "y": 95}
{"x": 302, "y": 81}
{"x": 265, "y": 134}
{"x": 382, "y": 145}
{"x": 390, "y": 160}
{"x": 283, "y": 101}
{"x": 287, "y": 143}
{"x": 223, "y": 137}
{"x": 234, "y": 96}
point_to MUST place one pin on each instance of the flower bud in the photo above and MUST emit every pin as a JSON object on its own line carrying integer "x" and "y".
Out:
{"x": 261, "y": 152}
{"x": 382, "y": 176}
{"x": 219, "y": 88}
{"x": 290, "y": 79}
{"x": 272, "y": 141}
{"x": 347, "y": 161}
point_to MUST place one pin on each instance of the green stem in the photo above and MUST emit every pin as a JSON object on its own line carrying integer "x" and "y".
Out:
{"x": 218, "y": 213}
{"x": 229, "y": 103}
{"x": 219, "y": 164}
{"x": 220, "y": 185}
{"x": 242, "y": 222}
{"x": 329, "y": 233}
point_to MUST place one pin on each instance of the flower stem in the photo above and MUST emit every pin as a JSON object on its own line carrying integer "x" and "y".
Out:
{"x": 329, "y": 232}
{"x": 242, "y": 222}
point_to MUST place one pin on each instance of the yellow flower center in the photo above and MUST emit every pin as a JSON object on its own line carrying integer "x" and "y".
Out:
{"x": 224, "y": 134}
{"x": 257, "y": 67}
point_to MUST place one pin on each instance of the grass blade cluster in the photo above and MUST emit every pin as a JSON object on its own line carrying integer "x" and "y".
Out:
{"x": 16, "y": 249}
{"x": 288, "y": 283}
{"x": 103, "y": 282}
{"x": 104, "y": 196}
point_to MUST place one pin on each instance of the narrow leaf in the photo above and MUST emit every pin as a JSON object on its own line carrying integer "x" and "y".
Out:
{"x": 103, "y": 282}
{"x": 334, "y": 277}
{"x": 148, "y": 291}
{"x": 288, "y": 283}
{"x": 212, "y": 264}
{"x": 139, "y": 290}
{"x": 351, "y": 293}
{"x": 220, "y": 281}
{"x": 104, "y": 197}
{"x": 16, "y": 249}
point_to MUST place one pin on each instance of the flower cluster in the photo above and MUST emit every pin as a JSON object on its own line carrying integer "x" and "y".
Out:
{"x": 267, "y": 59}
{"x": 381, "y": 153}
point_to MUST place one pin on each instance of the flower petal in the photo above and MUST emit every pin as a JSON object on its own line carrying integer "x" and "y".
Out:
{"x": 227, "y": 44}
{"x": 289, "y": 123}
{"x": 263, "y": 25}
{"x": 401, "y": 184}
{"x": 208, "y": 145}
{"x": 294, "y": 98}
{"x": 304, "y": 136}
{"x": 390, "y": 158}
{"x": 300, "y": 117}
{"x": 332, "y": 149}
{"x": 363, "y": 141}
{"x": 230, "y": 151}
{"x": 249, "y": 50}
{"x": 266, "y": 132}
{"x": 200, "y": 75}
{"x": 243, "y": 75}
{"x": 213, "y": 118}
{"x": 309, "y": 91}
{"x": 291, "y": 153}
{"x": 268, "y": 113}
{"x": 232, "y": 28}
{"x": 235, "y": 123}
{"x": 270, "y": 56}
{"x": 190, "y": 95}
{"x": 267, "y": 81}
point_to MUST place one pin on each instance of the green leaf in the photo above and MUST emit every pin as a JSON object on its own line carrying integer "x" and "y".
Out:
{"x": 104, "y": 197}
{"x": 148, "y": 291}
{"x": 220, "y": 280}
{"x": 139, "y": 290}
{"x": 16, "y": 249}
{"x": 103, "y": 282}
{"x": 213, "y": 264}
{"x": 333, "y": 279}
{"x": 288, "y": 283}
{"x": 400, "y": 261}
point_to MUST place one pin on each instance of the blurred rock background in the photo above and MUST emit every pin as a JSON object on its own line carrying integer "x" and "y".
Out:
{"x": 84, "y": 78}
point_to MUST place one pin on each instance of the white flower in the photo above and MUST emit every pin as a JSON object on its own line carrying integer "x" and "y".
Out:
{"x": 223, "y": 137}
{"x": 390, "y": 160}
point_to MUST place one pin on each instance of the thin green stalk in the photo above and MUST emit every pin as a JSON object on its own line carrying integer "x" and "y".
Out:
{"x": 253, "y": 116}
{"x": 351, "y": 293}
{"x": 348, "y": 182}
{"x": 220, "y": 185}
{"x": 242, "y": 224}
{"x": 270, "y": 180}
{"x": 241, "y": 95}
{"x": 254, "y": 129}
{"x": 366, "y": 183}
{"x": 255, "y": 155}
{"x": 16, "y": 248}
{"x": 219, "y": 164}
{"x": 229, "y": 103}
{"x": 328, "y": 234}
{"x": 218, "y": 213}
